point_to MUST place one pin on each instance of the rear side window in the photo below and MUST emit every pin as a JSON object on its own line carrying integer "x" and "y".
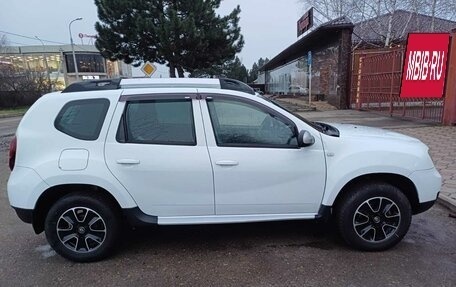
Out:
{"x": 168, "y": 122}
{"x": 82, "y": 119}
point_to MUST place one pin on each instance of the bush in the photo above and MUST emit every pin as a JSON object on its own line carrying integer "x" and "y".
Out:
{"x": 14, "y": 99}
{"x": 21, "y": 88}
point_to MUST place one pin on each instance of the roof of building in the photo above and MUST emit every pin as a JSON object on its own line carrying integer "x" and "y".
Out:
{"x": 403, "y": 22}
{"x": 317, "y": 37}
{"x": 38, "y": 49}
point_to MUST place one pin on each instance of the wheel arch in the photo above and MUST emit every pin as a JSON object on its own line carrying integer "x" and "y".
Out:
{"x": 54, "y": 193}
{"x": 401, "y": 182}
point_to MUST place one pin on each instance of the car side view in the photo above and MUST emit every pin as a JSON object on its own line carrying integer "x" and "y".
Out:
{"x": 205, "y": 151}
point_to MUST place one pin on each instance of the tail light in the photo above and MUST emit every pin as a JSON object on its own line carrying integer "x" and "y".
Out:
{"x": 12, "y": 153}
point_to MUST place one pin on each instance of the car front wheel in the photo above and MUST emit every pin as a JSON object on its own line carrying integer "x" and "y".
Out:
{"x": 82, "y": 227}
{"x": 374, "y": 217}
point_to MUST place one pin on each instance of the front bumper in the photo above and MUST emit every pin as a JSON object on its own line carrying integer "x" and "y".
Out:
{"x": 423, "y": 206}
{"x": 428, "y": 184}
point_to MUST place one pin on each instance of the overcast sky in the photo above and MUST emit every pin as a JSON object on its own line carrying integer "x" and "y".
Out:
{"x": 268, "y": 26}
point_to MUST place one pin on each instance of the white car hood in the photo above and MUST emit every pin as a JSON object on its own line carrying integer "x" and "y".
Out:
{"x": 349, "y": 130}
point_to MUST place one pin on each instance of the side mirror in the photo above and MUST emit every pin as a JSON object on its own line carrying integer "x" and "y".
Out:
{"x": 305, "y": 139}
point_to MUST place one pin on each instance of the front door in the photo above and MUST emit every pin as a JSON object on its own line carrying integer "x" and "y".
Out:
{"x": 156, "y": 148}
{"x": 258, "y": 166}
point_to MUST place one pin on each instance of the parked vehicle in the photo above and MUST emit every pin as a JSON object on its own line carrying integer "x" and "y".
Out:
{"x": 259, "y": 92}
{"x": 205, "y": 151}
{"x": 298, "y": 90}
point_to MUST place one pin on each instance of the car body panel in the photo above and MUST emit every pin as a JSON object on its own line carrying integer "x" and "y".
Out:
{"x": 362, "y": 151}
{"x": 169, "y": 180}
{"x": 265, "y": 180}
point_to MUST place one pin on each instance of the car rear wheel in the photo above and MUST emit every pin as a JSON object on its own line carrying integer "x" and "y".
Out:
{"x": 82, "y": 227}
{"x": 374, "y": 217}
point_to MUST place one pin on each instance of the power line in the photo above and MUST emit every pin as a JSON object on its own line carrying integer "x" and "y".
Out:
{"x": 17, "y": 43}
{"x": 32, "y": 38}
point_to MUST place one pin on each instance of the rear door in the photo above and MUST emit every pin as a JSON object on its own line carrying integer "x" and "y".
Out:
{"x": 156, "y": 148}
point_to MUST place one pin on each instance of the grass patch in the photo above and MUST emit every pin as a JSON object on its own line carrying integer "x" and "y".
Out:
{"x": 13, "y": 111}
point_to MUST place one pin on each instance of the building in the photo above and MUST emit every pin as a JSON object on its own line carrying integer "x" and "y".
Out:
{"x": 332, "y": 46}
{"x": 328, "y": 44}
{"x": 372, "y": 33}
{"x": 56, "y": 62}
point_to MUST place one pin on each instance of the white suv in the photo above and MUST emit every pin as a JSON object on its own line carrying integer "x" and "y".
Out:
{"x": 205, "y": 151}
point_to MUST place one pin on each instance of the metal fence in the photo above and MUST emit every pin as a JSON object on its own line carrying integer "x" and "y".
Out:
{"x": 376, "y": 84}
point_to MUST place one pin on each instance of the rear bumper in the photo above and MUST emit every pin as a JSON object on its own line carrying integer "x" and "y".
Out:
{"x": 24, "y": 187}
{"x": 25, "y": 215}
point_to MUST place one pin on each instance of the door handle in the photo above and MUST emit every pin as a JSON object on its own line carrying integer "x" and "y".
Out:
{"x": 226, "y": 163}
{"x": 128, "y": 161}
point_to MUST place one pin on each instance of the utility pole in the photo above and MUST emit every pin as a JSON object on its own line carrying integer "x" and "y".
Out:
{"x": 309, "y": 62}
{"x": 72, "y": 48}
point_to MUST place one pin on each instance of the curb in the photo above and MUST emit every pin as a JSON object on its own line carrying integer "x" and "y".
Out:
{"x": 447, "y": 202}
{"x": 11, "y": 115}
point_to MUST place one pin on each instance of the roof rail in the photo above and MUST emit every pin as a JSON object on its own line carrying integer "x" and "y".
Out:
{"x": 231, "y": 84}
{"x": 93, "y": 85}
{"x": 113, "y": 84}
{"x": 169, "y": 83}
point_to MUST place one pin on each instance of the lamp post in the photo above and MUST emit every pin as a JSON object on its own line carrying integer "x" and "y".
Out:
{"x": 72, "y": 48}
{"x": 46, "y": 64}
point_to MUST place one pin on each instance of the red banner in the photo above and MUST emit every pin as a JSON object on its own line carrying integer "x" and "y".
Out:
{"x": 425, "y": 65}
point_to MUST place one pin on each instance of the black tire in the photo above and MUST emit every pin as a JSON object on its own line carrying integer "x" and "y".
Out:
{"x": 83, "y": 240}
{"x": 374, "y": 216}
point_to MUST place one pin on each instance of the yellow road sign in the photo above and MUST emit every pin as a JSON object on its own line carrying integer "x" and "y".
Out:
{"x": 148, "y": 69}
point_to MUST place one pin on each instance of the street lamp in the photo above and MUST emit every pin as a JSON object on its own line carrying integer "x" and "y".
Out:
{"x": 72, "y": 48}
{"x": 46, "y": 64}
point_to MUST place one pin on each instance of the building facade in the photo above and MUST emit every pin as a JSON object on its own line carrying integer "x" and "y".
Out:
{"x": 332, "y": 46}
{"x": 323, "y": 55}
{"x": 56, "y": 62}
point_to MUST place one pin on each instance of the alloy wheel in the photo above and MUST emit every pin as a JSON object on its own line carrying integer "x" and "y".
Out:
{"x": 376, "y": 219}
{"x": 81, "y": 229}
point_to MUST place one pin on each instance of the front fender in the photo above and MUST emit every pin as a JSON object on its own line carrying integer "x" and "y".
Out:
{"x": 350, "y": 157}
{"x": 335, "y": 185}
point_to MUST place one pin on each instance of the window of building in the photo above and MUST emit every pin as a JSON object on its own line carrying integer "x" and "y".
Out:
{"x": 82, "y": 119}
{"x": 241, "y": 124}
{"x": 87, "y": 63}
{"x": 158, "y": 122}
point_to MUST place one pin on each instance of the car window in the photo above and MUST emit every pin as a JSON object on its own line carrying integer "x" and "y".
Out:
{"x": 158, "y": 122}
{"x": 237, "y": 123}
{"x": 82, "y": 119}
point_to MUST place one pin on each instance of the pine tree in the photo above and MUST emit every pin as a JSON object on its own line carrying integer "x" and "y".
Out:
{"x": 233, "y": 69}
{"x": 256, "y": 67}
{"x": 185, "y": 35}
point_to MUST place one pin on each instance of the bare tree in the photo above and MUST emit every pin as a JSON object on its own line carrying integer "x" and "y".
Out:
{"x": 361, "y": 10}
{"x": 3, "y": 43}
{"x": 391, "y": 8}
{"x": 17, "y": 83}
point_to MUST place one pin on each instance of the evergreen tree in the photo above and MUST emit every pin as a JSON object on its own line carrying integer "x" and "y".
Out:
{"x": 253, "y": 73}
{"x": 185, "y": 35}
{"x": 236, "y": 70}
{"x": 233, "y": 69}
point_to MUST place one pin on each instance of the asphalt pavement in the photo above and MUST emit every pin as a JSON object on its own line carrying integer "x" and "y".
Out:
{"x": 8, "y": 126}
{"x": 295, "y": 253}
